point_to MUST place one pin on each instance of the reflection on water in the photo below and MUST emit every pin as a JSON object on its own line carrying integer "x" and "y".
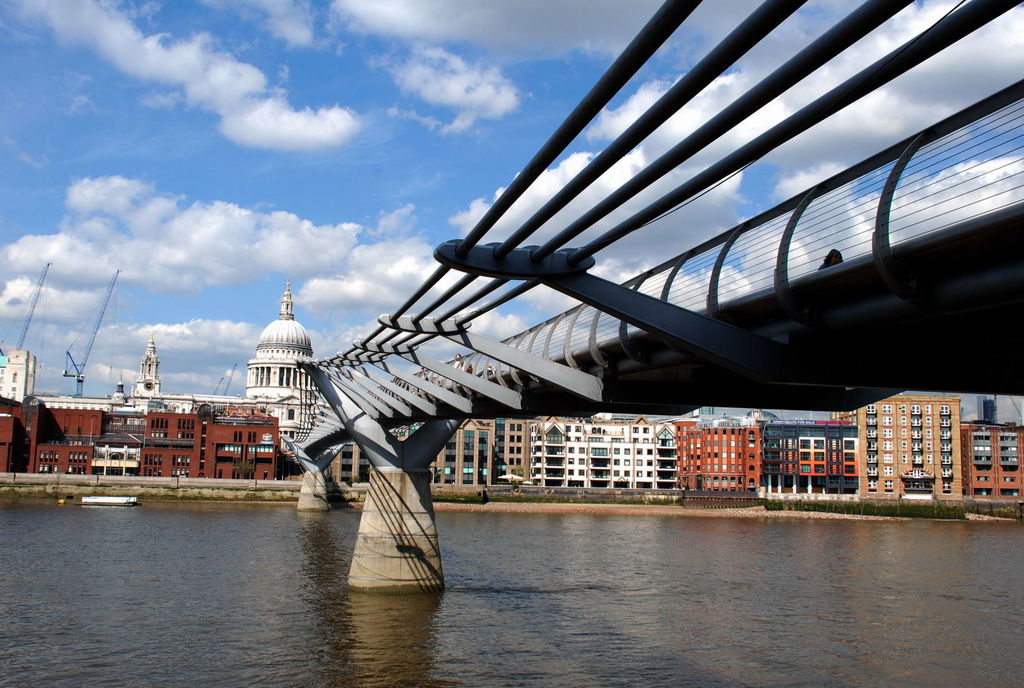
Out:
{"x": 392, "y": 640}
{"x": 183, "y": 594}
{"x": 366, "y": 639}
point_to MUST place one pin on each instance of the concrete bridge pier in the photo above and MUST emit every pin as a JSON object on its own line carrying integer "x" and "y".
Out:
{"x": 313, "y": 493}
{"x": 397, "y": 549}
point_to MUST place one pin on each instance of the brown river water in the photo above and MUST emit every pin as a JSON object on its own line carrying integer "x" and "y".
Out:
{"x": 175, "y": 594}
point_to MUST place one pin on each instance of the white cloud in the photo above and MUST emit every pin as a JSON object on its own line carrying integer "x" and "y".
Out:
{"x": 289, "y": 20}
{"x": 396, "y": 223}
{"x": 801, "y": 180}
{"x": 61, "y": 305}
{"x": 23, "y": 155}
{"x": 251, "y": 113}
{"x": 374, "y": 278}
{"x": 429, "y": 122}
{"x": 442, "y": 78}
{"x": 505, "y": 25}
{"x": 164, "y": 244}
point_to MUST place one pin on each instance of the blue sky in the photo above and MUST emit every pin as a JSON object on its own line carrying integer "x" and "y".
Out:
{"x": 211, "y": 149}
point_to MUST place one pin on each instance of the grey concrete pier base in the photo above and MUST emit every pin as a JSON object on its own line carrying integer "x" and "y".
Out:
{"x": 396, "y": 550}
{"x": 313, "y": 494}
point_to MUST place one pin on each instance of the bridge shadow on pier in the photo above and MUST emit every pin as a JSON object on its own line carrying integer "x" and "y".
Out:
{"x": 361, "y": 639}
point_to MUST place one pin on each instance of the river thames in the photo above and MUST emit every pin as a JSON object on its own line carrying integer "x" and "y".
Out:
{"x": 172, "y": 594}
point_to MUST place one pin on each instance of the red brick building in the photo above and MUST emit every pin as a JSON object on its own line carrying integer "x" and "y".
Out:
{"x": 724, "y": 456}
{"x": 228, "y": 444}
{"x": 990, "y": 459}
{"x": 12, "y": 437}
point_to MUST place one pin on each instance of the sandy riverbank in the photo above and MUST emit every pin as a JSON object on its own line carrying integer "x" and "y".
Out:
{"x": 647, "y": 510}
{"x": 667, "y": 510}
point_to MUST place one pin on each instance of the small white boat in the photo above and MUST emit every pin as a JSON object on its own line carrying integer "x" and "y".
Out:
{"x": 110, "y": 501}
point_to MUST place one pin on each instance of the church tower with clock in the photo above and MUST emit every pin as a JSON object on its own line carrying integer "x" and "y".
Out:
{"x": 148, "y": 382}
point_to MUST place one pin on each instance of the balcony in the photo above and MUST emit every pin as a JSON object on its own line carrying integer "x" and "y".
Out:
{"x": 918, "y": 489}
{"x": 983, "y": 460}
{"x": 600, "y": 463}
{"x": 1008, "y": 461}
{"x": 600, "y": 475}
{"x": 947, "y": 472}
{"x": 872, "y": 434}
{"x": 872, "y": 460}
{"x": 872, "y": 472}
{"x": 559, "y": 463}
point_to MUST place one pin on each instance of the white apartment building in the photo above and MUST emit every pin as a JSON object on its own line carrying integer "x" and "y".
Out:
{"x": 603, "y": 451}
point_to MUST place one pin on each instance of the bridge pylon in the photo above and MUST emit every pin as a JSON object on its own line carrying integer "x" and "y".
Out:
{"x": 397, "y": 546}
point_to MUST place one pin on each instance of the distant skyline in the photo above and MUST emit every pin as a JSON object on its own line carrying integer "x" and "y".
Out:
{"x": 213, "y": 149}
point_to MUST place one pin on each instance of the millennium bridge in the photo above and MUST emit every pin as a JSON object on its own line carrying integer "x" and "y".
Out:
{"x": 800, "y": 306}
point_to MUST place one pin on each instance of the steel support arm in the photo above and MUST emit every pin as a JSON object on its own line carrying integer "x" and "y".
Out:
{"x": 375, "y": 390}
{"x": 456, "y": 401}
{"x": 412, "y": 398}
{"x": 731, "y": 347}
{"x": 506, "y": 396}
{"x": 371, "y": 406}
{"x": 580, "y": 383}
{"x": 308, "y": 463}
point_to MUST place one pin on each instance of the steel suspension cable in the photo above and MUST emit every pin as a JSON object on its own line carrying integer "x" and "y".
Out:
{"x": 744, "y": 37}
{"x": 842, "y": 35}
{"x": 662, "y": 25}
{"x": 949, "y": 29}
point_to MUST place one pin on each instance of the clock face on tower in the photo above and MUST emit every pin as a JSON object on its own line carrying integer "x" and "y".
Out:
{"x": 149, "y": 385}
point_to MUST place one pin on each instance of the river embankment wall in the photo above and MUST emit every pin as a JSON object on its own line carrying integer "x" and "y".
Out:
{"x": 65, "y": 484}
{"x": 287, "y": 491}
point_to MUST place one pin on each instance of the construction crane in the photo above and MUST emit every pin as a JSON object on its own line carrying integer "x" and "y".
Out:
{"x": 231, "y": 377}
{"x": 32, "y": 306}
{"x": 77, "y": 370}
